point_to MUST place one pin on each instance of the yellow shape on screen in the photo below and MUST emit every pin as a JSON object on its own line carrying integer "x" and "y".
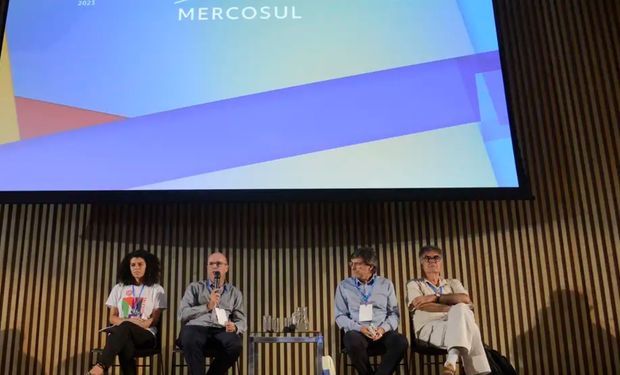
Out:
{"x": 9, "y": 129}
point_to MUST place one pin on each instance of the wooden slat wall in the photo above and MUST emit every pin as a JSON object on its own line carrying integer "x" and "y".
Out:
{"x": 544, "y": 274}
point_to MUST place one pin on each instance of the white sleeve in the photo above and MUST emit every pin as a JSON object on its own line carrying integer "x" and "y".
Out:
{"x": 159, "y": 298}
{"x": 457, "y": 287}
{"x": 413, "y": 291}
{"x": 115, "y": 296}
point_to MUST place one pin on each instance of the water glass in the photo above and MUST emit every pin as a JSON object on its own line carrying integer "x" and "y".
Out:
{"x": 267, "y": 323}
{"x": 275, "y": 325}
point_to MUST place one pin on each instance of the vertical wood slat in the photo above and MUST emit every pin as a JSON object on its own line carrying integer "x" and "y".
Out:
{"x": 543, "y": 274}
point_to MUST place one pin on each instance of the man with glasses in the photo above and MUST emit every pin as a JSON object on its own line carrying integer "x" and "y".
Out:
{"x": 442, "y": 315}
{"x": 367, "y": 309}
{"x": 213, "y": 318}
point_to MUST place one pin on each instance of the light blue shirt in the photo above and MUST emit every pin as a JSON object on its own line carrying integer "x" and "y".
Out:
{"x": 350, "y": 295}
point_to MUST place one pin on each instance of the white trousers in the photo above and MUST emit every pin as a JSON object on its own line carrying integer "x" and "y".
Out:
{"x": 459, "y": 330}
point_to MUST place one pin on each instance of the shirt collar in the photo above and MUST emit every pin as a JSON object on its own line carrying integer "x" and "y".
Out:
{"x": 211, "y": 285}
{"x": 442, "y": 283}
{"x": 372, "y": 280}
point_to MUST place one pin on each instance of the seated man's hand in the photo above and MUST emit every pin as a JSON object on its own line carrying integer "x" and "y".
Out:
{"x": 214, "y": 299}
{"x": 366, "y": 331}
{"x": 421, "y": 301}
{"x": 231, "y": 327}
{"x": 378, "y": 334}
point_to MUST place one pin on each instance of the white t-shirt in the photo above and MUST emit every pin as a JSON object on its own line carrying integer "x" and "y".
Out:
{"x": 134, "y": 301}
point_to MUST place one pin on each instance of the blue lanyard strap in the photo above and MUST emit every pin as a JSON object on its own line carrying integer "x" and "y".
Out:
{"x": 367, "y": 292}
{"x": 435, "y": 289}
{"x": 133, "y": 291}
{"x": 135, "y": 298}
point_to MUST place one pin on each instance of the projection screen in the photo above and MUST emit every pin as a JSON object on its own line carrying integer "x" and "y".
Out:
{"x": 254, "y": 95}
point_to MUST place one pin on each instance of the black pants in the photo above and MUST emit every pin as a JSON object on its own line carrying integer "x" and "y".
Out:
{"x": 123, "y": 340}
{"x": 197, "y": 341}
{"x": 393, "y": 344}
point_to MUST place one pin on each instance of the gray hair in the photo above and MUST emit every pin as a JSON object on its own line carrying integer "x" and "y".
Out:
{"x": 428, "y": 248}
{"x": 368, "y": 254}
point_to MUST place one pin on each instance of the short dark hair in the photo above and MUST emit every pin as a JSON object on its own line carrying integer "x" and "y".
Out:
{"x": 368, "y": 254}
{"x": 151, "y": 275}
{"x": 426, "y": 248}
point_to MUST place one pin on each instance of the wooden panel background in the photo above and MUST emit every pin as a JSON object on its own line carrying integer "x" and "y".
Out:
{"x": 544, "y": 273}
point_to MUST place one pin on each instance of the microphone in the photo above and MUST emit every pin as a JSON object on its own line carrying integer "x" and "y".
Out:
{"x": 217, "y": 275}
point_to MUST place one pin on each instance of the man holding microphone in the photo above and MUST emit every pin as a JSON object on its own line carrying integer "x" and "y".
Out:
{"x": 213, "y": 317}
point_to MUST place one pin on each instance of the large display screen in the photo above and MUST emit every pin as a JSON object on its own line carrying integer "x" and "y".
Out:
{"x": 99, "y": 95}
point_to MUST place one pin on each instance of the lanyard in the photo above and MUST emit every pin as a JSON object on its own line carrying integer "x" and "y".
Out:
{"x": 434, "y": 288}
{"x": 367, "y": 292}
{"x": 135, "y": 299}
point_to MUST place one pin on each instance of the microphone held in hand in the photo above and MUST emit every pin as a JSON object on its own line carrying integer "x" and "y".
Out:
{"x": 217, "y": 275}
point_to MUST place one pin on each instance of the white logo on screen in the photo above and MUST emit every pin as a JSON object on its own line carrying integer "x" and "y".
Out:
{"x": 236, "y": 13}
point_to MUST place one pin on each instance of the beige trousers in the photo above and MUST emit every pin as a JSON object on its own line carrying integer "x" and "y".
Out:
{"x": 458, "y": 329}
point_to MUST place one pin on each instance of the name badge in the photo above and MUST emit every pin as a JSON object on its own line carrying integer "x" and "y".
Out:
{"x": 366, "y": 313}
{"x": 222, "y": 317}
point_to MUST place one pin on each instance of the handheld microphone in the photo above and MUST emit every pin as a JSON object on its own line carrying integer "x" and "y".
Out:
{"x": 217, "y": 275}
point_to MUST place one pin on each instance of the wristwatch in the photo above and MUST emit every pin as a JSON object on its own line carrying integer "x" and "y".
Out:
{"x": 437, "y": 295}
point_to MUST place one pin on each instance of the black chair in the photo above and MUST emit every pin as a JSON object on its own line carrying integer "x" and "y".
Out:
{"x": 373, "y": 353}
{"x": 178, "y": 365}
{"x": 424, "y": 348}
{"x": 142, "y": 353}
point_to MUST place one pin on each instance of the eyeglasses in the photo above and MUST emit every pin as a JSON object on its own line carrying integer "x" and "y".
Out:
{"x": 217, "y": 264}
{"x": 435, "y": 258}
{"x": 351, "y": 264}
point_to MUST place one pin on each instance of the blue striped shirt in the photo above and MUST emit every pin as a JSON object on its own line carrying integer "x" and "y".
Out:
{"x": 349, "y": 297}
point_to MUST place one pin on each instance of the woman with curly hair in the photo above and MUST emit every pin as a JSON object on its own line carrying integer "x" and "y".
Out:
{"x": 135, "y": 306}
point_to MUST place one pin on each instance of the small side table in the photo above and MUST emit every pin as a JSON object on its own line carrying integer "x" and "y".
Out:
{"x": 311, "y": 337}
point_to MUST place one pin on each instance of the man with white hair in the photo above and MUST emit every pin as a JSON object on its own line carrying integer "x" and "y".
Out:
{"x": 443, "y": 317}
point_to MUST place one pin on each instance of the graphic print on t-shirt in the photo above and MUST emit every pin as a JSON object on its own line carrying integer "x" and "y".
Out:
{"x": 131, "y": 306}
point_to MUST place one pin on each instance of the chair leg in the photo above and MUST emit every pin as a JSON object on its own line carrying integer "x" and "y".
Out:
{"x": 406, "y": 364}
{"x": 344, "y": 359}
{"x": 410, "y": 361}
{"x": 160, "y": 364}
